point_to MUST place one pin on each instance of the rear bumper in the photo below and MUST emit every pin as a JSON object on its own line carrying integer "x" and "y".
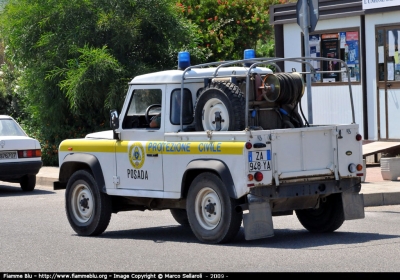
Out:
{"x": 16, "y": 170}
{"x": 308, "y": 188}
{"x": 288, "y": 197}
{"x": 265, "y": 202}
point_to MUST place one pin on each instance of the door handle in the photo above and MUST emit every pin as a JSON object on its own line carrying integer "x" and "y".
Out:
{"x": 389, "y": 85}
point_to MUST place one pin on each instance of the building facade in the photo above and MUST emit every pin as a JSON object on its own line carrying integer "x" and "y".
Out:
{"x": 365, "y": 34}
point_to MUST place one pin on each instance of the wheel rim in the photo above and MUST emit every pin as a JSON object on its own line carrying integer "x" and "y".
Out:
{"x": 208, "y": 208}
{"x": 210, "y": 108}
{"x": 82, "y": 203}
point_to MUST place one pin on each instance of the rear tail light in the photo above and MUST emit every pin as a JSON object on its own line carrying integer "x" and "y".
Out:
{"x": 258, "y": 176}
{"x": 359, "y": 167}
{"x": 29, "y": 153}
{"x": 358, "y": 137}
{"x": 248, "y": 145}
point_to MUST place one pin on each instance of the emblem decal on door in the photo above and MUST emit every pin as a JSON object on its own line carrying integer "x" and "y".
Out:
{"x": 136, "y": 155}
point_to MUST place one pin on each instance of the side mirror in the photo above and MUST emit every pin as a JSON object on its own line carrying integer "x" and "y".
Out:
{"x": 114, "y": 121}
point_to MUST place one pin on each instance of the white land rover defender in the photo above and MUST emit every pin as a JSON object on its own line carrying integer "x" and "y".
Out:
{"x": 232, "y": 145}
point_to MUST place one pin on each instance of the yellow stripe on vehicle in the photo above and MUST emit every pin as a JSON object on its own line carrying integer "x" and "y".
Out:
{"x": 154, "y": 147}
{"x": 89, "y": 146}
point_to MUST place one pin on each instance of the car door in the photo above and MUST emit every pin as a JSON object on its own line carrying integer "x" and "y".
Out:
{"x": 138, "y": 167}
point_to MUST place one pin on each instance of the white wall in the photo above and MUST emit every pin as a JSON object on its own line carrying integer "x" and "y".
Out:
{"x": 335, "y": 23}
{"x": 292, "y": 44}
{"x": 332, "y": 105}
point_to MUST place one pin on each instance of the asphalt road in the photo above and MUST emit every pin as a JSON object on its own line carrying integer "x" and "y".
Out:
{"x": 35, "y": 236}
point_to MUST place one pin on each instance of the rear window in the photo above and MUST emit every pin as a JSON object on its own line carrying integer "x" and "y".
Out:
{"x": 9, "y": 127}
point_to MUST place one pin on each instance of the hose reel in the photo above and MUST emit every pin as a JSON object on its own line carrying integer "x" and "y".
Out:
{"x": 283, "y": 88}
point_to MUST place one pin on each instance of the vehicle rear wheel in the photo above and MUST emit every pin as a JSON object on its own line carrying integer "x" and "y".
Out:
{"x": 220, "y": 107}
{"x": 211, "y": 212}
{"x": 327, "y": 218}
{"x": 180, "y": 216}
{"x": 88, "y": 209}
{"x": 28, "y": 183}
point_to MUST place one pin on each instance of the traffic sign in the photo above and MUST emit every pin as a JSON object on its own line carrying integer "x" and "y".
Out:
{"x": 310, "y": 18}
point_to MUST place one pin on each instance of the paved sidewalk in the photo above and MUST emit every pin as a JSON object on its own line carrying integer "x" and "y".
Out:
{"x": 376, "y": 191}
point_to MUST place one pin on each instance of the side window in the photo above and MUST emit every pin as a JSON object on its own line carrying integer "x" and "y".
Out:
{"x": 187, "y": 112}
{"x": 141, "y": 99}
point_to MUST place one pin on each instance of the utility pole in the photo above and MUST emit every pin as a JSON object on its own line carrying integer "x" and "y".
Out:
{"x": 307, "y": 18}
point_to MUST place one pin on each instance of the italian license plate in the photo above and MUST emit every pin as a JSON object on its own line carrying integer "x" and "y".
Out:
{"x": 8, "y": 155}
{"x": 260, "y": 160}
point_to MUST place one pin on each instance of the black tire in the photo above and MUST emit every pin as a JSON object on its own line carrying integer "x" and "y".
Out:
{"x": 211, "y": 212}
{"x": 225, "y": 98}
{"x": 28, "y": 183}
{"x": 327, "y": 218}
{"x": 180, "y": 216}
{"x": 88, "y": 209}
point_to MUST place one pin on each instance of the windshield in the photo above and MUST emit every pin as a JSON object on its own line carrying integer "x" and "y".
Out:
{"x": 9, "y": 127}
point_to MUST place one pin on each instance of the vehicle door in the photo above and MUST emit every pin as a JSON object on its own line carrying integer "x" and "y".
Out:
{"x": 136, "y": 168}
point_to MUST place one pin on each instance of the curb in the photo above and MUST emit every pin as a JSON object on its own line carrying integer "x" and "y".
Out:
{"x": 381, "y": 199}
{"x": 45, "y": 181}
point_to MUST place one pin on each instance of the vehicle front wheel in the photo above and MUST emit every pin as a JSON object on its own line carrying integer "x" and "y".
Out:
{"x": 88, "y": 209}
{"x": 211, "y": 212}
{"x": 28, "y": 183}
{"x": 327, "y": 218}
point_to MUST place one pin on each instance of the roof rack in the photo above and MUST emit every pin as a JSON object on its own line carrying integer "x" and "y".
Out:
{"x": 265, "y": 61}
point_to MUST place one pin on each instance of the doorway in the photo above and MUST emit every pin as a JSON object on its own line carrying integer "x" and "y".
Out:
{"x": 388, "y": 81}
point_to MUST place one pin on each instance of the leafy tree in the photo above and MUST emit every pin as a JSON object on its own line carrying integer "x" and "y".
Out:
{"x": 77, "y": 56}
{"x": 9, "y": 89}
{"x": 228, "y": 27}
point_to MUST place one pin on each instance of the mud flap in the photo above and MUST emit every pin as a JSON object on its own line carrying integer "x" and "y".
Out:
{"x": 258, "y": 222}
{"x": 353, "y": 205}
